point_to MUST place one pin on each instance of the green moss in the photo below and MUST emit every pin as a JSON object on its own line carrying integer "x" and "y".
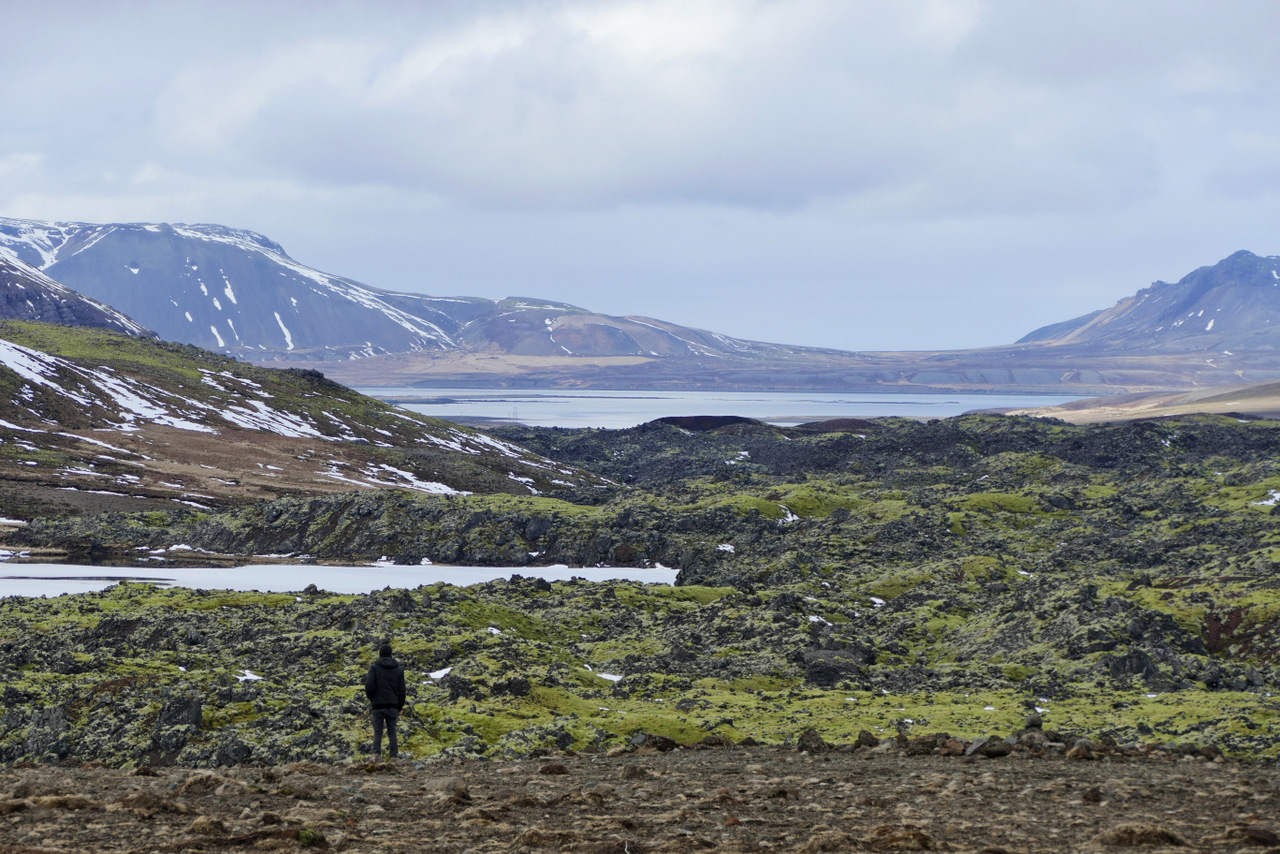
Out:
{"x": 486, "y": 615}
{"x": 230, "y": 714}
{"x": 1017, "y": 672}
{"x": 695, "y": 593}
{"x": 992, "y": 502}
{"x": 893, "y": 583}
{"x": 819, "y": 500}
{"x": 886, "y": 510}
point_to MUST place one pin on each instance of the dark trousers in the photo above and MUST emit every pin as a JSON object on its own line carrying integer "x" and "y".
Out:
{"x": 387, "y": 717}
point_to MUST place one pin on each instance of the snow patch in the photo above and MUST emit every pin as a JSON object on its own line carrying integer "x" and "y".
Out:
{"x": 288, "y": 338}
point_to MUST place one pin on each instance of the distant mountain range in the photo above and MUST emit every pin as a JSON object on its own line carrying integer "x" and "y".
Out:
{"x": 240, "y": 293}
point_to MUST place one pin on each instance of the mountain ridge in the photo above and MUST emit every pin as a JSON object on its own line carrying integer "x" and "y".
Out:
{"x": 208, "y": 285}
{"x": 28, "y": 294}
{"x": 239, "y": 292}
{"x": 1199, "y": 312}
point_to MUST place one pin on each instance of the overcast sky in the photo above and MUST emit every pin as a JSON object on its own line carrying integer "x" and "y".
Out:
{"x": 860, "y": 175}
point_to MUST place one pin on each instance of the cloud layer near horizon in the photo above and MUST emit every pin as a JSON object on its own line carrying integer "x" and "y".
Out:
{"x": 863, "y": 175}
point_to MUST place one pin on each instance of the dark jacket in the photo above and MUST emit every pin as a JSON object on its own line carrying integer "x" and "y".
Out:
{"x": 384, "y": 684}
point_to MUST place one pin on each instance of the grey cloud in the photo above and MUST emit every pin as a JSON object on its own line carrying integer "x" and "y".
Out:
{"x": 776, "y": 105}
{"x": 778, "y": 170}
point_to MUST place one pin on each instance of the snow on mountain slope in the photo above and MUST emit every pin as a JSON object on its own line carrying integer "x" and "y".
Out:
{"x": 66, "y": 393}
{"x": 235, "y": 291}
{"x": 28, "y": 294}
{"x": 1233, "y": 305}
{"x": 217, "y": 287}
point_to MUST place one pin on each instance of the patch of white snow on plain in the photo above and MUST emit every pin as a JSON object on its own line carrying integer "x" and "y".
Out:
{"x": 1210, "y": 326}
{"x": 612, "y": 677}
{"x": 725, "y": 547}
{"x": 288, "y": 338}
{"x": 1273, "y": 498}
{"x": 440, "y": 674}
{"x": 410, "y": 481}
{"x": 231, "y": 295}
{"x": 877, "y": 601}
{"x": 494, "y": 631}
{"x": 214, "y": 330}
{"x": 248, "y": 676}
{"x": 262, "y": 417}
{"x": 190, "y": 319}
{"x": 217, "y": 304}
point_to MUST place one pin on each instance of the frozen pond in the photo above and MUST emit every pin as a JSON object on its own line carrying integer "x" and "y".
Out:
{"x": 52, "y": 579}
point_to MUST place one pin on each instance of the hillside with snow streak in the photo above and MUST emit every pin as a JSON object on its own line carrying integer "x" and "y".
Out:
{"x": 86, "y": 409}
{"x": 28, "y": 294}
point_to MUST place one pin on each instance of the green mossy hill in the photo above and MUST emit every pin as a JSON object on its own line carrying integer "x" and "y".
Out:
{"x": 187, "y": 373}
{"x": 524, "y": 667}
{"x": 109, "y": 385}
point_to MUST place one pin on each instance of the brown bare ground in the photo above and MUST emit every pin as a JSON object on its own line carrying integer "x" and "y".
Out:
{"x": 1260, "y": 400}
{"x": 718, "y": 800}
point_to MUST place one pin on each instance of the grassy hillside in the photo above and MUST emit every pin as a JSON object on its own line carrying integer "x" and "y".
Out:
{"x": 92, "y": 420}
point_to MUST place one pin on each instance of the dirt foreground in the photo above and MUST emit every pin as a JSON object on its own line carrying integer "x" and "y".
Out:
{"x": 726, "y": 800}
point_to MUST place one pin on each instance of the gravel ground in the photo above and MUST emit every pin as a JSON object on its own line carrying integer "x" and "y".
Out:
{"x": 728, "y": 800}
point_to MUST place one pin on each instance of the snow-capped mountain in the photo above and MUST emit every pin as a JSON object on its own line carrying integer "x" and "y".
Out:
{"x": 1232, "y": 306}
{"x": 236, "y": 291}
{"x": 216, "y": 287}
{"x": 28, "y": 294}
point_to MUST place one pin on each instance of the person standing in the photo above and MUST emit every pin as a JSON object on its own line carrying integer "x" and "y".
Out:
{"x": 384, "y": 686}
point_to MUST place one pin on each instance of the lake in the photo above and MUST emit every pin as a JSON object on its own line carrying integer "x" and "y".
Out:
{"x": 622, "y": 409}
{"x": 52, "y": 579}
{"x": 535, "y": 407}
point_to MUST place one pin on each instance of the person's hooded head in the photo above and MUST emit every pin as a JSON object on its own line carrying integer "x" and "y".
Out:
{"x": 385, "y": 650}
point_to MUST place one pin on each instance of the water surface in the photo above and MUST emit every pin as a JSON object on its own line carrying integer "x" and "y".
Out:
{"x": 52, "y": 579}
{"x": 622, "y": 409}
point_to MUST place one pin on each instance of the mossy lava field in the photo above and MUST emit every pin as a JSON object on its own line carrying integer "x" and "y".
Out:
{"x": 980, "y": 587}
